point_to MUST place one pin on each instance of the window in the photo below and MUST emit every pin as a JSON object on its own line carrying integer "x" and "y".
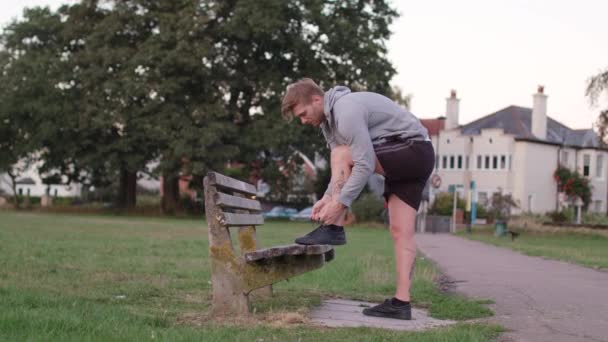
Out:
{"x": 599, "y": 166}
{"x": 503, "y": 162}
{"x": 444, "y": 162}
{"x": 459, "y": 162}
{"x": 20, "y": 191}
{"x": 466, "y": 162}
{"x": 452, "y": 162}
{"x": 478, "y": 162}
{"x": 510, "y": 162}
{"x": 487, "y": 164}
{"x": 494, "y": 162}
{"x": 55, "y": 193}
{"x": 437, "y": 161}
{"x": 586, "y": 164}
{"x": 564, "y": 158}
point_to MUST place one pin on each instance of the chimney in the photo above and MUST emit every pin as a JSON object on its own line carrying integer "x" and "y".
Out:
{"x": 539, "y": 114}
{"x": 451, "y": 111}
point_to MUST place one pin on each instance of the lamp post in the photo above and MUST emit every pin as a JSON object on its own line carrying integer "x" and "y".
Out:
{"x": 452, "y": 188}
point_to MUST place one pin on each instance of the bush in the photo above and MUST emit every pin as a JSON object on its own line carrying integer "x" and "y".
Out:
{"x": 192, "y": 207}
{"x": 443, "y": 203}
{"x": 564, "y": 216}
{"x": 368, "y": 208}
{"x": 482, "y": 212}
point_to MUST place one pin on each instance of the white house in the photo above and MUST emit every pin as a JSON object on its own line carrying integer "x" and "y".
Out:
{"x": 518, "y": 149}
{"x": 29, "y": 183}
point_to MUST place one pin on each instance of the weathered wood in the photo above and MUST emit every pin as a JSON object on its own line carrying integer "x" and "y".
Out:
{"x": 218, "y": 234}
{"x": 234, "y": 219}
{"x": 231, "y": 183}
{"x": 229, "y": 201}
{"x": 248, "y": 243}
{"x": 234, "y": 277}
{"x": 273, "y": 252}
{"x": 229, "y": 295}
{"x": 256, "y": 275}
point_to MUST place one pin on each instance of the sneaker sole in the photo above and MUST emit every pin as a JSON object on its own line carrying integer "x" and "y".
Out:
{"x": 308, "y": 243}
{"x": 401, "y": 316}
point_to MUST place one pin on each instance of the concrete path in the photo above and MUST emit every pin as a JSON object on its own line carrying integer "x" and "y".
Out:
{"x": 537, "y": 299}
{"x": 348, "y": 313}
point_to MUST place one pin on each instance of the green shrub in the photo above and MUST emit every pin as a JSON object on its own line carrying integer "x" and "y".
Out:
{"x": 564, "y": 216}
{"x": 192, "y": 207}
{"x": 368, "y": 208}
{"x": 482, "y": 212}
{"x": 443, "y": 203}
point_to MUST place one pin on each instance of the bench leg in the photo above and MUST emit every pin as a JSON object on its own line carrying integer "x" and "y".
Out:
{"x": 229, "y": 295}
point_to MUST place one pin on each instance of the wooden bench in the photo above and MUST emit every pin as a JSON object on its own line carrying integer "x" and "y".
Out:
{"x": 235, "y": 274}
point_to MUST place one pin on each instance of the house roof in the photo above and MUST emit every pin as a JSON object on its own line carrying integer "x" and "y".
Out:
{"x": 517, "y": 121}
{"x": 433, "y": 125}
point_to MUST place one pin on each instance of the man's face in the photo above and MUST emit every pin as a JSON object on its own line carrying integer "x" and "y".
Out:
{"x": 312, "y": 113}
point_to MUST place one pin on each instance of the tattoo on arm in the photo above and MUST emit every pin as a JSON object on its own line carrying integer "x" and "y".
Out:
{"x": 337, "y": 186}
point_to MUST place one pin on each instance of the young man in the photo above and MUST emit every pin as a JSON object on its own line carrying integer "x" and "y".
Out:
{"x": 367, "y": 133}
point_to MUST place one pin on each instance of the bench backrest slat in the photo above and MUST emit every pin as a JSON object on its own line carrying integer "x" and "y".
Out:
{"x": 233, "y": 219}
{"x": 229, "y": 201}
{"x": 231, "y": 183}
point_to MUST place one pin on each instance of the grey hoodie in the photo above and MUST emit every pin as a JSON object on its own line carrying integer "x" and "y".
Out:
{"x": 355, "y": 119}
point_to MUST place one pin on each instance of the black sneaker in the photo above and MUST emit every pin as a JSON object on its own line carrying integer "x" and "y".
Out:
{"x": 388, "y": 310}
{"x": 323, "y": 235}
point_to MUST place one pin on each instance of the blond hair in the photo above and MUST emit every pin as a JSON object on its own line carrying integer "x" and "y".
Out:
{"x": 302, "y": 92}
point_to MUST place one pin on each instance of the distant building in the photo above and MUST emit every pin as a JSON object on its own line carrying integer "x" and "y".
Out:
{"x": 29, "y": 183}
{"x": 517, "y": 150}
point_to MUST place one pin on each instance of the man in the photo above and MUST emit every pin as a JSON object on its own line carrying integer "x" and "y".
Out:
{"x": 367, "y": 133}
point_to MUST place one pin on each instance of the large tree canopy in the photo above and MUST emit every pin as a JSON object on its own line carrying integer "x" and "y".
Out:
{"x": 107, "y": 88}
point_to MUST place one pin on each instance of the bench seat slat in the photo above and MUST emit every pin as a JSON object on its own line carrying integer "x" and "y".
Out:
{"x": 231, "y": 183}
{"x": 293, "y": 249}
{"x": 229, "y": 201}
{"x": 233, "y": 219}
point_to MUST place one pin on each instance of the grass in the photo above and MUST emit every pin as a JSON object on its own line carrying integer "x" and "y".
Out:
{"x": 590, "y": 250}
{"x": 96, "y": 278}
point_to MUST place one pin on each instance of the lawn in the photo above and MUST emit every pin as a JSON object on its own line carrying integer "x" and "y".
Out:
{"x": 128, "y": 278}
{"x": 590, "y": 250}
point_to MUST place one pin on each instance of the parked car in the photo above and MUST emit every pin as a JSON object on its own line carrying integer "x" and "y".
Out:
{"x": 302, "y": 215}
{"x": 280, "y": 212}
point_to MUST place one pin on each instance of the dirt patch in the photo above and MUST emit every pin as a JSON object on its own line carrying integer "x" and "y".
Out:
{"x": 286, "y": 319}
{"x": 282, "y": 319}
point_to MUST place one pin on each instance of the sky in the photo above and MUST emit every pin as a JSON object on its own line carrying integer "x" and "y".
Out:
{"x": 494, "y": 53}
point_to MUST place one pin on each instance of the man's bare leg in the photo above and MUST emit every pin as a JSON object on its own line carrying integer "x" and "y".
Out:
{"x": 402, "y": 220}
{"x": 341, "y": 168}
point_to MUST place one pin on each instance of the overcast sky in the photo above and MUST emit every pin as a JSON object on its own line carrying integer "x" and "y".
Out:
{"x": 493, "y": 52}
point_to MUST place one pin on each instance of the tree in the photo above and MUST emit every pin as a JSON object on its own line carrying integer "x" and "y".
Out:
{"x": 597, "y": 85}
{"x": 399, "y": 97}
{"x": 24, "y": 91}
{"x": 574, "y": 185}
{"x": 191, "y": 85}
{"x": 259, "y": 47}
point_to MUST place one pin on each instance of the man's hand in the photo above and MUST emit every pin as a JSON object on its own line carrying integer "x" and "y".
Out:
{"x": 316, "y": 209}
{"x": 331, "y": 212}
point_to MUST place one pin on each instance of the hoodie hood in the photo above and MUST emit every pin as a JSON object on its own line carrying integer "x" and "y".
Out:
{"x": 331, "y": 97}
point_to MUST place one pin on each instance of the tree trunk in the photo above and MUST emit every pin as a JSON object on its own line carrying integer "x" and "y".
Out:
{"x": 14, "y": 186}
{"x": 170, "y": 203}
{"x": 127, "y": 191}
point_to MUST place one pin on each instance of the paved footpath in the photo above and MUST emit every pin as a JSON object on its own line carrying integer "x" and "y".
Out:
{"x": 536, "y": 299}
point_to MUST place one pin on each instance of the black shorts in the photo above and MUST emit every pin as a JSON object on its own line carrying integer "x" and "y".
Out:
{"x": 407, "y": 166}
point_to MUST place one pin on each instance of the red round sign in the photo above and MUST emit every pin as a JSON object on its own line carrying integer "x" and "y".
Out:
{"x": 435, "y": 181}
